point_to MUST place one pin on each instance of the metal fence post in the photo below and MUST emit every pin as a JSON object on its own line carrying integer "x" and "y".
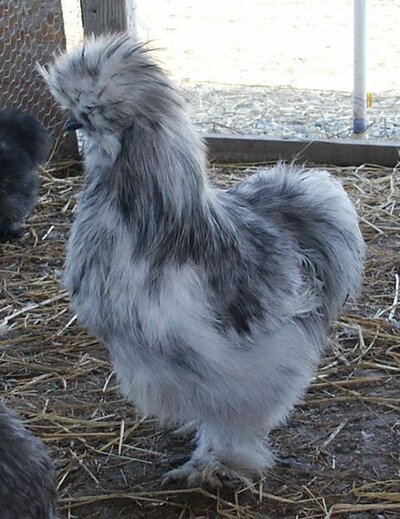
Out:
{"x": 359, "y": 90}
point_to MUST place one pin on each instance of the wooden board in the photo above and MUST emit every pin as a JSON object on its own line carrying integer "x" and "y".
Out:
{"x": 102, "y": 16}
{"x": 250, "y": 149}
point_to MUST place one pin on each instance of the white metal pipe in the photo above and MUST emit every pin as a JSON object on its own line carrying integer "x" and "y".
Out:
{"x": 359, "y": 88}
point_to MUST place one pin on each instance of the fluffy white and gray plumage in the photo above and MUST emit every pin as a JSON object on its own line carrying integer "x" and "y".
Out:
{"x": 215, "y": 304}
{"x": 24, "y": 144}
{"x": 27, "y": 479}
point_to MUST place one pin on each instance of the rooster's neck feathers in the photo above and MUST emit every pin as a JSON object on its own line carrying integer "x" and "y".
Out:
{"x": 137, "y": 131}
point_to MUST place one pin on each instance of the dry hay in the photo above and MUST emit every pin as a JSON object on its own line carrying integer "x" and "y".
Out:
{"x": 288, "y": 112}
{"x": 339, "y": 450}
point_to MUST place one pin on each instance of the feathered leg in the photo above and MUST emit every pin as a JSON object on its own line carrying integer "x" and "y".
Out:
{"x": 224, "y": 455}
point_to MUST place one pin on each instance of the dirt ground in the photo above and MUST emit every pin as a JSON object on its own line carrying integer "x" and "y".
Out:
{"x": 338, "y": 454}
{"x": 305, "y": 44}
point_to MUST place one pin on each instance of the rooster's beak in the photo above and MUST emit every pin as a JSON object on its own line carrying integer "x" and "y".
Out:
{"x": 72, "y": 124}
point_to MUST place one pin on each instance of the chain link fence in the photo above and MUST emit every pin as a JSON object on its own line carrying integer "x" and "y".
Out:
{"x": 30, "y": 32}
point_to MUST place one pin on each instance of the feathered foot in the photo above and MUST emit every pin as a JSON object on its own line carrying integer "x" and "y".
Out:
{"x": 222, "y": 460}
{"x": 208, "y": 472}
{"x": 187, "y": 430}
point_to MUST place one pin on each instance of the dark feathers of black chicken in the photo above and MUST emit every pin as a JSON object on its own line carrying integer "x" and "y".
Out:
{"x": 27, "y": 476}
{"x": 24, "y": 144}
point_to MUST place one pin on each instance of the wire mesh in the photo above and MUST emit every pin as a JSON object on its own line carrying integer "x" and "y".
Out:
{"x": 30, "y": 32}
